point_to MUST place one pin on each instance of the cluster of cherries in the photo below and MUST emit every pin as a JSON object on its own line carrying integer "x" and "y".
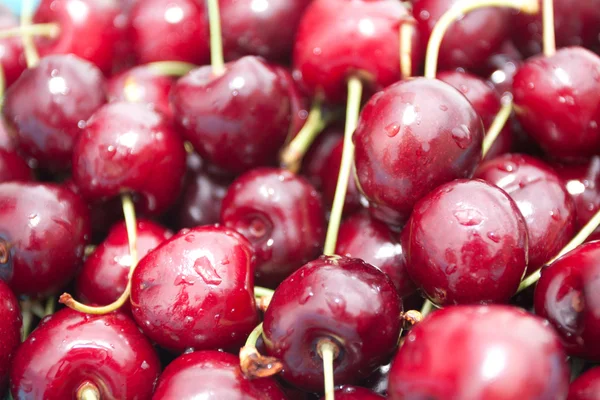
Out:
{"x": 186, "y": 170}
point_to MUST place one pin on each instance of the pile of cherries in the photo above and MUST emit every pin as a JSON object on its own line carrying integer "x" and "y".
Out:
{"x": 187, "y": 212}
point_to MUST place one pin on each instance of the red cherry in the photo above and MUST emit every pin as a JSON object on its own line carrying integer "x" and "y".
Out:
{"x": 10, "y": 332}
{"x": 212, "y": 374}
{"x": 586, "y": 386}
{"x": 11, "y": 49}
{"x": 466, "y": 242}
{"x": 13, "y": 167}
{"x": 6, "y": 140}
{"x": 69, "y": 350}
{"x": 505, "y": 354}
{"x": 355, "y": 393}
{"x": 500, "y": 68}
{"x": 299, "y": 102}
{"x": 316, "y": 157}
{"x": 44, "y": 228}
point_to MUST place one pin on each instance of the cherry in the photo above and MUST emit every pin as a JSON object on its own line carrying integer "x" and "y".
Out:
{"x": 556, "y": 101}
{"x": 43, "y": 231}
{"x": 127, "y": 146}
{"x": 10, "y": 332}
{"x": 281, "y": 214}
{"x": 337, "y": 301}
{"x": 548, "y": 209}
{"x": 11, "y": 49}
{"x": 196, "y": 290}
{"x": 105, "y": 272}
{"x": 13, "y": 167}
{"x": 466, "y": 242}
{"x": 566, "y": 295}
{"x": 355, "y": 393}
{"x": 361, "y": 236}
{"x": 46, "y": 108}
{"x": 412, "y": 137}
{"x": 6, "y": 140}
{"x": 299, "y": 102}
{"x": 318, "y": 155}
{"x": 586, "y": 386}
{"x": 501, "y": 67}
{"x": 506, "y": 353}
{"x": 71, "y": 353}
{"x": 238, "y": 120}
{"x": 212, "y": 374}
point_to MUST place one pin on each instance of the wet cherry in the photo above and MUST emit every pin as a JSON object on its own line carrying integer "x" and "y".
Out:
{"x": 13, "y": 167}
{"x": 355, "y": 393}
{"x": 315, "y": 159}
{"x": 10, "y": 331}
{"x": 586, "y": 386}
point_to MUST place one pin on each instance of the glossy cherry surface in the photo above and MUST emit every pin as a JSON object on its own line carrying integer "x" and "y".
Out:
{"x": 556, "y": 101}
{"x": 46, "y": 108}
{"x": 540, "y": 194}
{"x": 370, "y": 47}
{"x": 586, "y": 386}
{"x": 501, "y": 67}
{"x": 505, "y": 354}
{"x": 196, "y": 290}
{"x": 238, "y": 120}
{"x": 337, "y": 298}
{"x": 46, "y": 228}
{"x": 70, "y": 349}
{"x": 128, "y": 146}
{"x": 355, "y": 393}
{"x": 281, "y": 214}
{"x": 13, "y": 167}
{"x": 11, "y": 49}
{"x": 103, "y": 277}
{"x": 212, "y": 375}
{"x": 567, "y": 295}
{"x": 316, "y": 158}
{"x": 10, "y": 331}
{"x": 412, "y": 137}
{"x": 299, "y": 101}
{"x": 466, "y": 242}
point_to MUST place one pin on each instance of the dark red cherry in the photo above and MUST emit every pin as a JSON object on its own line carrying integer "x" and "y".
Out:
{"x": 70, "y": 349}
{"x": 501, "y": 67}
{"x": 212, "y": 375}
{"x": 340, "y": 299}
{"x": 466, "y": 242}
{"x": 11, "y": 49}
{"x": 586, "y": 386}
{"x": 362, "y": 236}
{"x": 317, "y": 155}
{"x": 128, "y": 146}
{"x": 355, "y": 393}
{"x": 43, "y": 232}
{"x": 238, "y": 120}
{"x": 505, "y": 354}
{"x": 281, "y": 214}
{"x": 339, "y": 38}
{"x": 567, "y": 295}
{"x": 13, "y": 167}
{"x": 10, "y": 332}
{"x": 105, "y": 272}
{"x": 299, "y": 101}
{"x": 556, "y": 102}
{"x": 46, "y": 108}
{"x": 540, "y": 194}
{"x": 196, "y": 290}
{"x": 170, "y": 30}
{"x": 412, "y": 137}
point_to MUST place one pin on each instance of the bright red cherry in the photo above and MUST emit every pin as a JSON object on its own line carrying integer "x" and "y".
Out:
{"x": 556, "y": 102}
{"x": 212, "y": 375}
{"x": 505, "y": 354}
{"x": 586, "y": 386}
{"x": 355, "y": 393}
{"x": 11, "y": 49}
{"x": 13, "y": 167}
{"x": 466, "y": 242}
{"x": 338, "y": 299}
{"x": 10, "y": 332}
{"x": 281, "y": 214}
{"x": 412, "y": 137}
{"x": 128, "y": 146}
{"x": 43, "y": 232}
{"x": 196, "y": 290}
{"x": 46, "y": 108}
{"x": 70, "y": 349}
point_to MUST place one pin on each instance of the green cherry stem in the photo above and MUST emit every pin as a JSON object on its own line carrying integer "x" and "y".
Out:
{"x": 498, "y": 124}
{"x": 217, "y": 60}
{"x": 31, "y": 55}
{"x": 171, "y": 68}
{"x": 252, "y": 363}
{"x": 548, "y": 35}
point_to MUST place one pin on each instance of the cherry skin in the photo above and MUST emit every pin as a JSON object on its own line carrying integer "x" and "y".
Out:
{"x": 104, "y": 275}
{"x": 70, "y": 349}
{"x": 11, "y": 49}
{"x": 586, "y": 386}
{"x": 501, "y": 67}
{"x": 355, "y": 393}
{"x": 466, "y": 242}
{"x": 10, "y": 331}
{"x": 45, "y": 229}
{"x": 506, "y": 354}
{"x": 7, "y": 142}
{"x": 238, "y": 120}
{"x": 299, "y": 101}
{"x": 566, "y": 295}
{"x": 212, "y": 374}
{"x": 556, "y": 101}
{"x": 341, "y": 299}
{"x": 313, "y": 165}
{"x": 412, "y": 137}
{"x": 539, "y": 192}
{"x": 339, "y": 38}
{"x": 281, "y": 214}
{"x": 362, "y": 236}
{"x": 13, "y": 167}
{"x": 46, "y": 108}
{"x": 196, "y": 290}
{"x": 128, "y": 146}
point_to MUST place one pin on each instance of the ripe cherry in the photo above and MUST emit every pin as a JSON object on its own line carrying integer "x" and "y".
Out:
{"x": 586, "y": 386}
{"x": 501, "y": 67}
{"x": 13, "y": 167}
{"x": 10, "y": 331}
{"x": 355, "y": 393}
{"x": 316, "y": 157}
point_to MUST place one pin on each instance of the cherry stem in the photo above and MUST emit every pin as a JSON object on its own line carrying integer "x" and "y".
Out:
{"x": 131, "y": 226}
{"x": 171, "y": 68}
{"x": 549, "y": 36}
{"x": 89, "y": 250}
{"x": 457, "y": 11}
{"x": 262, "y": 292}
{"x": 352, "y": 111}
{"x": 216, "y": 42}
{"x": 412, "y": 317}
{"x": 88, "y": 391}
{"x": 407, "y": 28}
{"x": 328, "y": 351}
{"x": 50, "y": 30}
{"x": 252, "y": 363}
{"x": 27, "y": 318}
{"x": 50, "y": 306}
{"x": 581, "y": 237}
{"x": 31, "y": 55}
{"x": 497, "y": 125}
{"x": 427, "y": 308}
